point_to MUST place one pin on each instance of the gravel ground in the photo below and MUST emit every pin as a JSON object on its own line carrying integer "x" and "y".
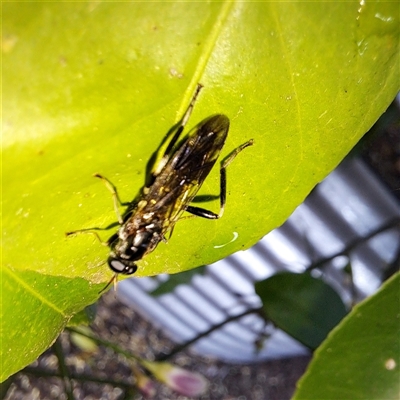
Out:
{"x": 274, "y": 380}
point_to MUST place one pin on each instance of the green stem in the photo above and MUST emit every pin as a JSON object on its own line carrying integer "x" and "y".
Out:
{"x": 391, "y": 224}
{"x": 81, "y": 377}
{"x": 65, "y": 375}
{"x": 105, "y": 343}
{"x": 182, "y": 346}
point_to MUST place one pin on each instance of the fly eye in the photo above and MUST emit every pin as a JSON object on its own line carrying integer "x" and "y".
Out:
{"x": 122, "y": 266}
{"x": 131, "y": 269}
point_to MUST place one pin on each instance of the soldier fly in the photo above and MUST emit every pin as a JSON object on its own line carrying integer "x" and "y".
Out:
{"x": 172, "y": 185}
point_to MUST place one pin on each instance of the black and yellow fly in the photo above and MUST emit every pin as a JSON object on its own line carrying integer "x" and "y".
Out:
{"x": 171, "y": 186}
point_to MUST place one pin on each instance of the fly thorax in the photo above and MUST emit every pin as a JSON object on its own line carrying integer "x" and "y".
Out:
{"x": 135, "y": 246}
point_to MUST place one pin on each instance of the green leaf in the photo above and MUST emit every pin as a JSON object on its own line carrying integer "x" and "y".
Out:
{"x": 93, "y": 87}
{"x": 304, "y": 307}
{"x": 32, "y": 303}
{"x": 361, "y": 357}
{"x": 84, "y": 317}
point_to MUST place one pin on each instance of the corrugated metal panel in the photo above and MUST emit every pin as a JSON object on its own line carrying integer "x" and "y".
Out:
{"x": 350, "y": 203}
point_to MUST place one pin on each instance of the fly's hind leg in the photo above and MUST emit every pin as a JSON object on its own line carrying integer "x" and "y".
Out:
{"x": 224, "y": 165}
{"x": 166, "y": 149}
{"x": 202, "y": 212}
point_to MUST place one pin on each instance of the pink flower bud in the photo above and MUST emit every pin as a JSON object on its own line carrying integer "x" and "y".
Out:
{"x": 180, "y": 380}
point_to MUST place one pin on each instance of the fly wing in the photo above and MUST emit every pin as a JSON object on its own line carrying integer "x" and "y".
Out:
{"x": 181, "y": 178}
{"x": 198, "y": 154}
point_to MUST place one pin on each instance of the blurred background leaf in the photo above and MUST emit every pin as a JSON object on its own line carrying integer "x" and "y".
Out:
{"x": 361, "y": 357}
{"x": 304, "y": 307}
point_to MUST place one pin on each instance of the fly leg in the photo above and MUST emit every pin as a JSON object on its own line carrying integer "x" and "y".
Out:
{"x": 202, "y": 212}
{"x": 167, "y": 146}
{"x": 92, "y": 231}
{"x": 116, "y": 200}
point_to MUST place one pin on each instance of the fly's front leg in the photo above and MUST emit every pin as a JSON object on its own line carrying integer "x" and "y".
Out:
{"x": 173, "y": 136}
{"x": 116, "y": 200}
{"x": 202, "y": 212}
{"x": 91, "y": 231}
